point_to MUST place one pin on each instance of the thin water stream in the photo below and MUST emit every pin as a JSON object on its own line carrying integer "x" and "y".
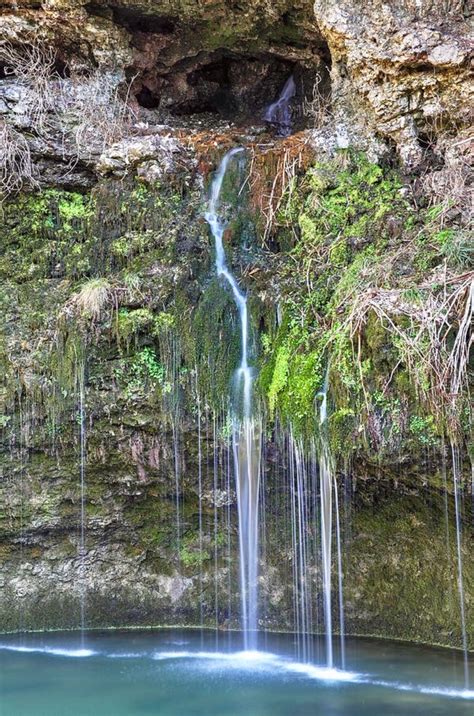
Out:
{"x": 325, "y": 480}
{"x": 82, "y": 477}
{"x": 246, "y": 431}
{"x": 457, "y": 509}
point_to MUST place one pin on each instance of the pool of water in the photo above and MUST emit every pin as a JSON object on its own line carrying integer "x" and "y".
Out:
{"x": 193, "y": 673}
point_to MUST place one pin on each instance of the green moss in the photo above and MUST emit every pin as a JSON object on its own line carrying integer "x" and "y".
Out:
{"x": 339, "y": 254}
{"x": 354, "y": 223}
{"x": 214, "y": 340}
{"x": 293, "y": 375}
{"x": 279, "y": 378}
{"x": 423, "y": 429}
{"x": 193, "y": 557}
{"x": 141, "y": 376}
{"x": 342, "y": 423}
{"x": 45, "y": 232}
{"x": 130, "y": 323}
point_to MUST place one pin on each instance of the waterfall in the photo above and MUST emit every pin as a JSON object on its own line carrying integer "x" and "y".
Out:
{"x": 201, "y": 589}
{"x": 462, "y": 608}
{"x": 340, "y": 578}
{"x": 325, "y": 478}
{"x": 245, "y": 429}
{"x": 301, "y": 474}
{"x": 279, "y": 112}
{"x": 326, "y": 547}
{"x": 82, "y": 478}
{"x": 328, "y": 484}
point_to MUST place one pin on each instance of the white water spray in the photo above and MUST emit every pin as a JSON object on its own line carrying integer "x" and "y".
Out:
{"x": 246, "y": 432}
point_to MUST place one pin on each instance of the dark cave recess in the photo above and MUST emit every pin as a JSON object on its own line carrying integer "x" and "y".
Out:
{"x": 230, "y": 85}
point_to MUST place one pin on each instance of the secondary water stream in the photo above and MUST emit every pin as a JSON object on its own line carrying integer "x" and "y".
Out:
{"x": 279, "y": 114}
{"x": 457, "y": 510}
{"x": 82, "y": 478}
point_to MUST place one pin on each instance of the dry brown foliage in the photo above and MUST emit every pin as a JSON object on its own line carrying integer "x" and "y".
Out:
{"x": 433, "y": 334}
{"x": 17, "y": 169}
{"x": 272, "y": 174}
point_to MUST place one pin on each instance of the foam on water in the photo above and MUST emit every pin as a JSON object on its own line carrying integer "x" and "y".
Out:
{"x": 252, "y": 660}
{"x": 323, "y": 673}
{"x": 237, "y": 657}
{"x": 53, "y": 651}
{"x": 275, "y": 663}
{"x": 429, "y": 690}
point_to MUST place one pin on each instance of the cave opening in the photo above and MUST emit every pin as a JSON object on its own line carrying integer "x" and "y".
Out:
{"x": 230, "y": 86}
{"x": 179, "y": 71}
{"x": 147, "y": 24}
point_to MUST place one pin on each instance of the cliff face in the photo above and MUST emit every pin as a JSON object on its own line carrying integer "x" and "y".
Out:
{"x": 404, "y": 66}
{"x": 355, "y": 231}
{"x": 398, "y": 74}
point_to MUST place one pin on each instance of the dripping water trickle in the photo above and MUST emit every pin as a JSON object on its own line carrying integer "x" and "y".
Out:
{"x": 457, "y": 509}
{"x": 82, "y": 477}
{"x": 245, "y": 429}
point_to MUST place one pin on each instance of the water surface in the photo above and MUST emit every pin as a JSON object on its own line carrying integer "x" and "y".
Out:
{"x": 194, "y": 673}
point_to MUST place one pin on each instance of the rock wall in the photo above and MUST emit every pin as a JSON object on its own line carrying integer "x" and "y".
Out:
{"x": 108, "y": 288}
{"x": 400, "y": 75}
{"x": 404, "y": 67}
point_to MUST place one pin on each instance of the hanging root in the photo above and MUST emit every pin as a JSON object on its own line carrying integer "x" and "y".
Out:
{"x": 103, "y": 116}
{"x": 33, "y": 67}
{"x": 17, "y": 169}
{"x": 432, "y": 334}
{"x": 272, "y": 179}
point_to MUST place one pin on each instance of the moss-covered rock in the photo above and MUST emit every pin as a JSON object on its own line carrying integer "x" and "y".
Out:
{"x": 118, "y": 346}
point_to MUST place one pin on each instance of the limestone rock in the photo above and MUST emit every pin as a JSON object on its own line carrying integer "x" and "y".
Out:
{"x": 401, "y": 74}
{"x": 154, "y": 157}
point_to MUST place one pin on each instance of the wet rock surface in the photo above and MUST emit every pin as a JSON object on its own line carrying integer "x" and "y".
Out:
{"x": 170, "y": 85}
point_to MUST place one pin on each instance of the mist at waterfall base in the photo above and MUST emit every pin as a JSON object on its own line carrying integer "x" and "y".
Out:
{"x": 178, "y": 673}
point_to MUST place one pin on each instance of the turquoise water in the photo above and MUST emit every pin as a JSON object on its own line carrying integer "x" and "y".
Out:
{"x": 190, "y": 673}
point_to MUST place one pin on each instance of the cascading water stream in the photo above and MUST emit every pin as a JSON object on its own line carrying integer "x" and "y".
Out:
{"x": 327, "y": 486}
{"x": 246, "y": 432}
{"x": 325, "y": 479}
{"x": 279, "y": 112}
